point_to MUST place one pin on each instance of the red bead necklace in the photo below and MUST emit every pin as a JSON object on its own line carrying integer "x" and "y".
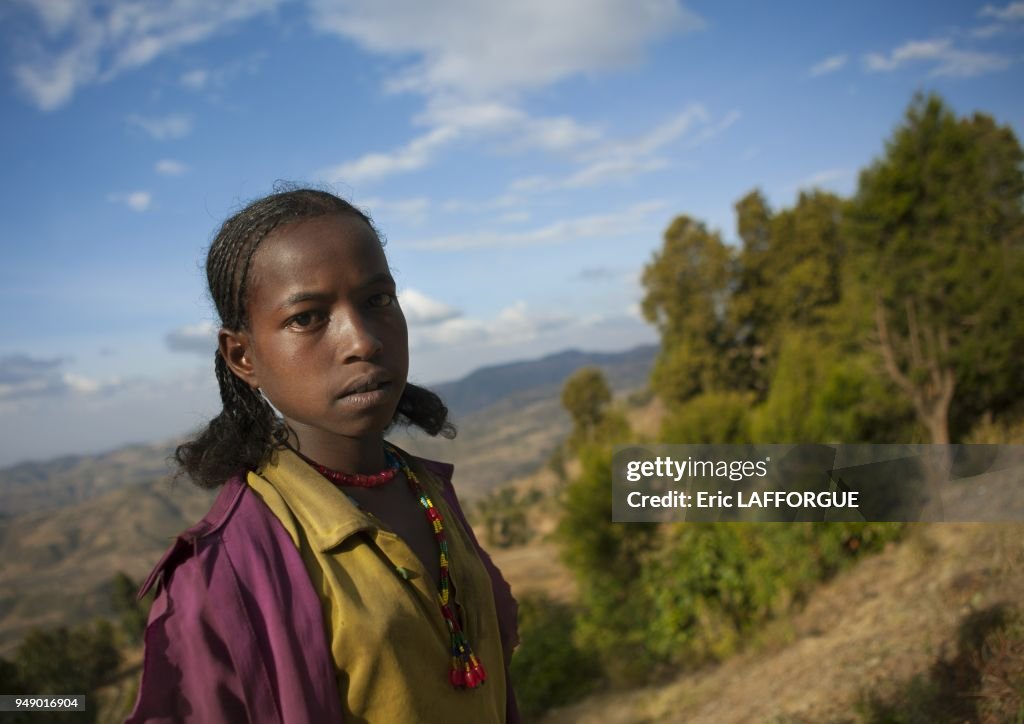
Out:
{"x": 359, "y": 480}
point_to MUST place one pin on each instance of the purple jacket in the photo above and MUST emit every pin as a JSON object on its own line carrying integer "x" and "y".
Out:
{"x": 236, "y": 631}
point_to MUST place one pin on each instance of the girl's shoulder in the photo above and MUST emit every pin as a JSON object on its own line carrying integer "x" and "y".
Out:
{"x": 233, "y": 508}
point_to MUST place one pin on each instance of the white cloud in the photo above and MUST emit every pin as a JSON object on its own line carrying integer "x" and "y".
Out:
{"x": 656, "y": 138}
{"x": 488, "y": 49}
{"x": 514, "y": 217}
{"x": 825, "y": 178}
{"x": 1005, "y": 20}
{"x": 502, "y": 201}
{"x": 420, "y": 309}
{"x": 514, "y": 324}
{"x": 1011, "y": 12}
{"x": 946, "y": 59}
{"x": 195, "y": 79}
{"x": 614, "y": 168}
{"x": 710, "y": 130}
{"x": 135, "y": 200}
{"x": 163, "y": 128}
{"x": 89, "y": 415}
{"x": 170, "y": 167}
{"x": 410, "y": 211}
{"x": 23, "y": 377}
{"x": 211, "y": 80}
{"x": 414, "y": 155}
{"x": 80, "y": 384}
{"x": 829, "y": 65}
{"x": 633, "y": 219}
{"x": 617, "y": 160}
{"x": 472, "y": 61}
{"x": 198, "y": 339}
{"x": 518, "y": 332}
{"x": 87, "y": 42}
{"x": 451, "y": 123}
{"x": 620, "y": 160}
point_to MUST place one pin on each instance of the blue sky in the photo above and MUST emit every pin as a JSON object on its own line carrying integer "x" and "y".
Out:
{"x": 522, "y": 160}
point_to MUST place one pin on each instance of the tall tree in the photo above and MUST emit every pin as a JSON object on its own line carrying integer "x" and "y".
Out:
{"x": 688, "y": 284}
{"x": 585, "y": 397}
{"x": 938, "y": 229}
{"x": 751, "y": 310}
{"x": 787, "y": 277}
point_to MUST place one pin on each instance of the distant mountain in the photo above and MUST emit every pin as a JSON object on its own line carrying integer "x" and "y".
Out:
{"x": 533, "y": 379}
{"x": 510, "y": 416}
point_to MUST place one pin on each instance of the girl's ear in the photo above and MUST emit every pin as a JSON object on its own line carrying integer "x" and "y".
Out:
{"x": 235, "y": 348}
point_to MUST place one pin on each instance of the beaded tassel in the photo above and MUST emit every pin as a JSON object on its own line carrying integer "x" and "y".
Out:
{"x": 466, "y": 670}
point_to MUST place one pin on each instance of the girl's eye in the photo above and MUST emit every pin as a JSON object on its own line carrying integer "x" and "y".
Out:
{"x": 305, "y": 319}
{"x": 384, "y": 299}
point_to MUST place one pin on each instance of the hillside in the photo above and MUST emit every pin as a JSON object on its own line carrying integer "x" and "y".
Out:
{"x": 51, "y": 484}
{"x": 897, "y": 638}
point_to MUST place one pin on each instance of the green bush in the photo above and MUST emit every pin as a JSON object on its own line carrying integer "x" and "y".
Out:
{"x": 710, "y": 585}
{"x": 549, "y": 669}
{"x": 719, "y": 418}
{"x": 62, "y": 661}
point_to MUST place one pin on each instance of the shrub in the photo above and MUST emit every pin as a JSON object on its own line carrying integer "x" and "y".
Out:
{"x": 549, "y": 669}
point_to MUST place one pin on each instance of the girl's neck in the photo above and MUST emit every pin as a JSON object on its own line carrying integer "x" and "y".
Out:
{"x": 344, "y": 454}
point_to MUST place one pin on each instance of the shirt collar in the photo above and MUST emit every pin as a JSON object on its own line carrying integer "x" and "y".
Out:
{"x": 327, "y": 515}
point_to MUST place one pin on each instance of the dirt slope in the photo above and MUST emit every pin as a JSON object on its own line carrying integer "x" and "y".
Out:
{"x": 865, "y": 634}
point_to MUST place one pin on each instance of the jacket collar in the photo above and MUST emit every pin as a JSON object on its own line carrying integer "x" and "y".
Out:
{"x": 326, "y": 514}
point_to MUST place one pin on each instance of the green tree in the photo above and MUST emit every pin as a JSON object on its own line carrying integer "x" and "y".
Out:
{"x": 687, "y": 288}
{"x": 937, "y": 227}
{"x": 63, "y": 661}
{"x": 788, "y": 276}
{"x": 605, "y": 559}
{"x": 131, "y": 612}
{"x": 751, "y": 314}
{"x": 586, "y": 397}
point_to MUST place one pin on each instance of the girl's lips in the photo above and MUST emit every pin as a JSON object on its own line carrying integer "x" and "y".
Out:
{"x": 377, "y": 378}
{"x": 367, "y": 399}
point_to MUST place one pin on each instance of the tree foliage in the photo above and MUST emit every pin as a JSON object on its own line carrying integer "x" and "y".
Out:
{"x": 585, "y": 396}
{"x": 131, "y": 612}
{"x": 687, "y": 287}
{"x": 62, "y": 661}
{"x": 549, "y": 668}
{"x": 938, "y": 229}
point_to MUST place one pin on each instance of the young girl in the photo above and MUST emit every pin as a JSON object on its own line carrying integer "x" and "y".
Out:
{"x": 335, "y": 577}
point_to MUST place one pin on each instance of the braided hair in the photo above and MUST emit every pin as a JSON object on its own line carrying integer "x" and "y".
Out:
{"x": 245, "y": 432}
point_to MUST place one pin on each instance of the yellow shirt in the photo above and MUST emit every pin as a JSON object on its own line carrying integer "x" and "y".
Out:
{"x": 390, "y": 643}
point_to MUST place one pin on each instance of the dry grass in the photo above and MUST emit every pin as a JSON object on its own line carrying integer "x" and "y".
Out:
{"x": 869, "y": 632}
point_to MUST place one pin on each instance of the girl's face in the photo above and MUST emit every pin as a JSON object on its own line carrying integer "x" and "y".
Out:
{"x": 327, "y": 342}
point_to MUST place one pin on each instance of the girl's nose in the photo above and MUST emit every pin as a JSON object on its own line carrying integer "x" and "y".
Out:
{"x": 359, "y": 341}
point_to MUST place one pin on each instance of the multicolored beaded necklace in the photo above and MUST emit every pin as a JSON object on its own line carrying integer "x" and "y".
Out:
{"x": 466, "y": 671}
